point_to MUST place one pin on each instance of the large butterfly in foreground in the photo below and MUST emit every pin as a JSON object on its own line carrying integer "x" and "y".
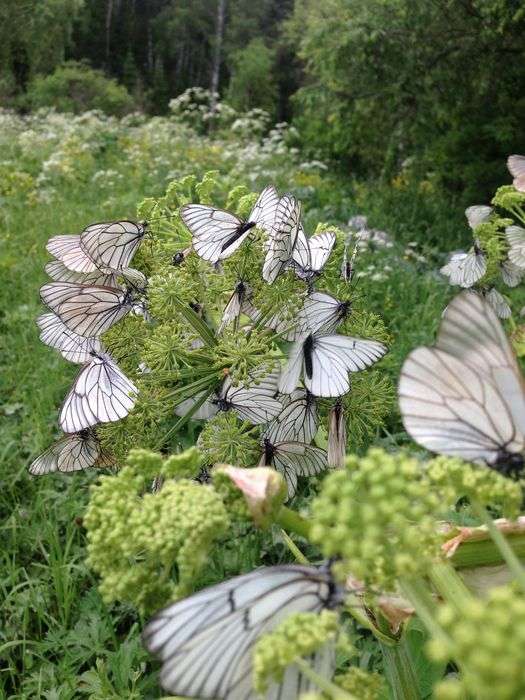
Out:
{"x": 69, "y": 454}
{"x": 324, "y": 362}
{"x": 101, "y": 393}
{"x": 206, "y": 642}
{"x": 112, "y": 245}
{"x": 216, "y": 234}
{"x": 465, "y": 396}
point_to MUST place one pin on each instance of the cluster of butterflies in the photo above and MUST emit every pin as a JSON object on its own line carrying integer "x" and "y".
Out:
{"x": 93, "y": 288}
{"x": 466, "y": 269}
{"x": 319, "y": 361}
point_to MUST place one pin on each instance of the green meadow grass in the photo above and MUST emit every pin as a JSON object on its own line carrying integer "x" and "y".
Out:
{"x": 58, "y": 640}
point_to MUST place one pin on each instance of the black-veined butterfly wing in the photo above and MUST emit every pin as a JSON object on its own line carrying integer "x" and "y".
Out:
{"x": 321, "y": 245}
{"x": 325, "y": 361}
{"x": 254, "y": 402}
{"x": 465, "y": 269}
{"x": 206, "y": 410}
{"x": 294, "y": 459}
{"x": 264, "y": 209}
{"x": 498, "y": 303}
{"x": 301, "y": 255}
{"x": 60, "y": 273}
{"x": 516, "y": 240}
{"x": 516, "y": 166}
{"x": 70, "y": 453}
{"x": 511, "y": 274}
{"x": 101, "y": 393}
{"x": 322, "y": 313}
{"x": 88, "y": 310}
{"x": 66, "y": 248}
{"x": 283, "y": 237}
{"x": 466, "y": 396}
{"x": 285, "y": 325}
{"x": 205, "y": 642}
{"x": 112, "y": 245}
{"x": 234, "y": 306}
{"x": 73, "y": 347}
{"x": 477, "y": 214}
{"x": 336, "y": 437}
{"x": 297, "y": 422}
{"x": 216, "y": 234}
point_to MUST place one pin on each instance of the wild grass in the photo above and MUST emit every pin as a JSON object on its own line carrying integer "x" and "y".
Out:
{"x": 58, "y": 640}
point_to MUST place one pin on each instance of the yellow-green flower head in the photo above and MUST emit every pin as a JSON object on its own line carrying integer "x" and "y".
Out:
{"x": 486, "y": 641}
{"x": 241, "y": 353}
{"x": 225, "y": 439}
{"x": 361, "y": 684}
{"x": 378, "y": 514}
{"x": 136, "y": 538}
{"x": 508, "y": 198}
{"x": 486, "y": 486}
{"x": 299, "y": 636}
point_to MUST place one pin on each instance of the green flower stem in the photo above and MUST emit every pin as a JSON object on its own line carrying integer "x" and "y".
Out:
{"x": 333, "y": 691}
{"x": 449, "y": 584}
{"x": 196, "y": 322}
{"x": 485, "y": 552}
{"x": 291, "y": 521}
{"x": 501, "y": 543}
{"x": 294, "y": 549}
{"x": 400, "y": 672}
{"x": 354, "y": 608}
{"x": 425, "y": 606}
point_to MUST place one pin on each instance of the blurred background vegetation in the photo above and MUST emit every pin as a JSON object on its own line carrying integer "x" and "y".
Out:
{"x": 429, "y": 91}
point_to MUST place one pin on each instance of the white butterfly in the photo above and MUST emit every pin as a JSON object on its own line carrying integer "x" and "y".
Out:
{"x": 69, "y": 454}
{"x": 322, "y": 313}
{"x": 511, "y": 274}
{"x": 310, "y": 254}
{"x": 101, "y": 393}
{"x": 465, "y": 269}
{"x": 297, "y": 422}
{"x": 478, "y": 214}
{"x": 73, "y": 347}
{"x": 324, "y": 362}
{"x": 88, "y": 310}
{"x": 60, "y": 273}
{"x": 498, "y": 303}
{"x": 283, "y": 236}
{"x": 516, "y": 240}
{"x": 336, "y": 437}
{"x": 465, "y": 396}
{"x": 206, "y": 642}
{"x": 66, "y": 249}
{"x": 516, "y": 166}
{"x": 254, "y": 402}
{"x": 112, "y": 245}
{"x": 234, "y": 307}
{"x": 284, "y": 323}
{"x": 292, "y": 459}
{"x": 216, "y": 234}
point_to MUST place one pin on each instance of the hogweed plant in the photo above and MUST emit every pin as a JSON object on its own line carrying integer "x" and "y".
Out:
{"x": 252, "y": 340}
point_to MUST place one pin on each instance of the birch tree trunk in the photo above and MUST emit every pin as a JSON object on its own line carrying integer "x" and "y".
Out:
{"x": 219, "y": 34}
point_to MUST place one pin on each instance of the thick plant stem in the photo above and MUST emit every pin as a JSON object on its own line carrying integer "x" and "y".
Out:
{"x": 400, "y": 672}
{"x": 291, "y": 521}
{"x": 449, "y": 585}
{"x": 421, "y": 598}
{"x": 501, "y": 543}
{"x": 485, "y": 552}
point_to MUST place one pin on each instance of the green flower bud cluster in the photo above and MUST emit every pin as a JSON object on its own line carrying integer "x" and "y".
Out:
{"x": 486, "y": 641}
{"x": 232, "y": 497}
{"x": 226, "y": 439}
{"x": 492, "y": 240}
{"x": 299, "y": 636}
{"x": 362, "y": 684}
{"x": 378, "y": 514}
{"x": 486, "y": 486}
{"x": 508, "y": 198}
{"x": 367, "y": 405}
{"x": 136, "y": 539}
